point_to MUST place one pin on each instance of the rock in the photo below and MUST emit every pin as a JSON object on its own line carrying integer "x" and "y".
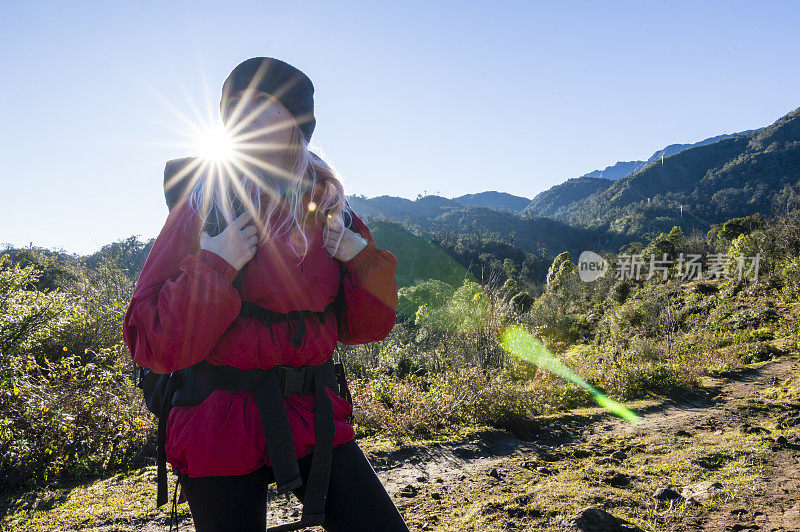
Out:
{"x": 494, "y": 473}
{"x": 666, "y": 494}
{"x": 543, "y": 470}
{"x": 530, "y": 464}
{"x": 606, "y": 460}
{"x": 422, "y": 479}
{"x": 594, "y": 519}
{"x": 408, "y": 491}
{"x": 782, "y": 441}
{"x": 683, "y": 433}
{"x": 617, "y": 479}
{"x": 439, "y": 480}
{"x": 462, "y": 477}
{"x": 436, "y": 495}
{"x": 618, "y": 455}
{"x": 700, "y": 490}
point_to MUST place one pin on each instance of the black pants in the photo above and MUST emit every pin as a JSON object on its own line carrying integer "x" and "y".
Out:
{"x": 356, "y": 501}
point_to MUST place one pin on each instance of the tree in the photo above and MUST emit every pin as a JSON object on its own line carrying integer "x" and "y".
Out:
{"x": 559, "y": 272}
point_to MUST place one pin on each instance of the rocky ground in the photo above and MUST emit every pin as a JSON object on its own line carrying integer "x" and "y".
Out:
{"x": 724, "y": 459}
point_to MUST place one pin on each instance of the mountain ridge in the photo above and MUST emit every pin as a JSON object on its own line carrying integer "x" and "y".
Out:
{"x": 625, "y": 168}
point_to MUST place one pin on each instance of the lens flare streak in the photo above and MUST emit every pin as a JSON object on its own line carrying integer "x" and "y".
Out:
{"x": 525, "y": 346}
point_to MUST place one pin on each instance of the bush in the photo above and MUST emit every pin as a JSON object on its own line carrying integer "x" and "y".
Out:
{"x": 620, "y": 292}
{"x": 791, "y": 280}
{"x": 631, "y": 381}
{"x": 522, "y": 302}
{"x": 68, "y": 409}
{"x": 70, "y": 420}
{"x": 645, "y": 350}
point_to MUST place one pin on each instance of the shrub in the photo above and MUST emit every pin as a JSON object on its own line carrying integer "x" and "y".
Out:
{"x": 620, "y": 292}
{"x": 70, "y": 420}
{"x": 68, "y": 409}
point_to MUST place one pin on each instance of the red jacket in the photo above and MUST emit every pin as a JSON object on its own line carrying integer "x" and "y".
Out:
{"x": 185, "y": 308}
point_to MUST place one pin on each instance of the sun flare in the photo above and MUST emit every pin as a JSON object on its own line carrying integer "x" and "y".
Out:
{"x": 215, "y": 144}
{"x": 221, "y": 154}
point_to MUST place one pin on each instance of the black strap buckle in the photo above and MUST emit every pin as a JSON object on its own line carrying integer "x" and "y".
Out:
{"x": 295, "y": 380}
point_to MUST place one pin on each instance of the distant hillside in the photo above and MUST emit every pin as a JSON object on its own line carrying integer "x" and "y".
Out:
{"x": 672, "y": 149}
{"x": 490, "y": 214}
{"x": 626, "y": 168}
{"x": 494, "y": 200}
{"x": 427, "y": 207}
{"x": 733, "y": 177}
{"x": 616, "y": 171}
{"x": 553, "y": 200}
{"x": 470, "y": 238}
{"x": 568, "y": 195}
{"x": 531, "y": 234}
{"x": 402, "y": 209}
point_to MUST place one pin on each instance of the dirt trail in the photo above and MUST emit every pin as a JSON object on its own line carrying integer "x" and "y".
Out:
{"x": 714, "y": 410}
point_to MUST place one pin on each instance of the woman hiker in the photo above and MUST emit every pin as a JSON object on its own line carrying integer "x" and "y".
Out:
{"x": 247, "y": 288}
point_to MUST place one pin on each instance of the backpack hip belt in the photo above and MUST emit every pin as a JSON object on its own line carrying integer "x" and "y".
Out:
{"x": 250, "y": 309}
{"x": 192, "y": 385}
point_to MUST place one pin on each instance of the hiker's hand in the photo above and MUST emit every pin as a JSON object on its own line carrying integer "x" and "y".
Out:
{"x": 350, "y": 245}
{"x": 236, "y": 244}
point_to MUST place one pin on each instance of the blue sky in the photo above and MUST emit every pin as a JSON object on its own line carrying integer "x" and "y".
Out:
{"x": 454, "y": 97}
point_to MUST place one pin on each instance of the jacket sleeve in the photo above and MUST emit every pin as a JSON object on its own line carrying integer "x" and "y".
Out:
{"x": 184, "y": 299}
{"x": 370, "y": 292}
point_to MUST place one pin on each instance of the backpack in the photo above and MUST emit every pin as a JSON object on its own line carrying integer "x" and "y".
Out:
{"x": 153, "y": 386}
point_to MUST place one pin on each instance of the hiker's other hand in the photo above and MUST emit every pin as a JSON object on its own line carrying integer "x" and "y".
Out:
{"x": 350, "y": 245}
{"x": 236, "y": 244}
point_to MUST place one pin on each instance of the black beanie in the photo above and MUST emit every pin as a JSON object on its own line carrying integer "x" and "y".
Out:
{"x": 286, "y": 83}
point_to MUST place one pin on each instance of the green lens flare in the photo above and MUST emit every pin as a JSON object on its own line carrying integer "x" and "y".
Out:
{"x": 525, "y": 346}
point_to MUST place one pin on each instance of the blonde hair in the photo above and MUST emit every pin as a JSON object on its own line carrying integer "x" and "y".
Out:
{"x": 219, "y": 186}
